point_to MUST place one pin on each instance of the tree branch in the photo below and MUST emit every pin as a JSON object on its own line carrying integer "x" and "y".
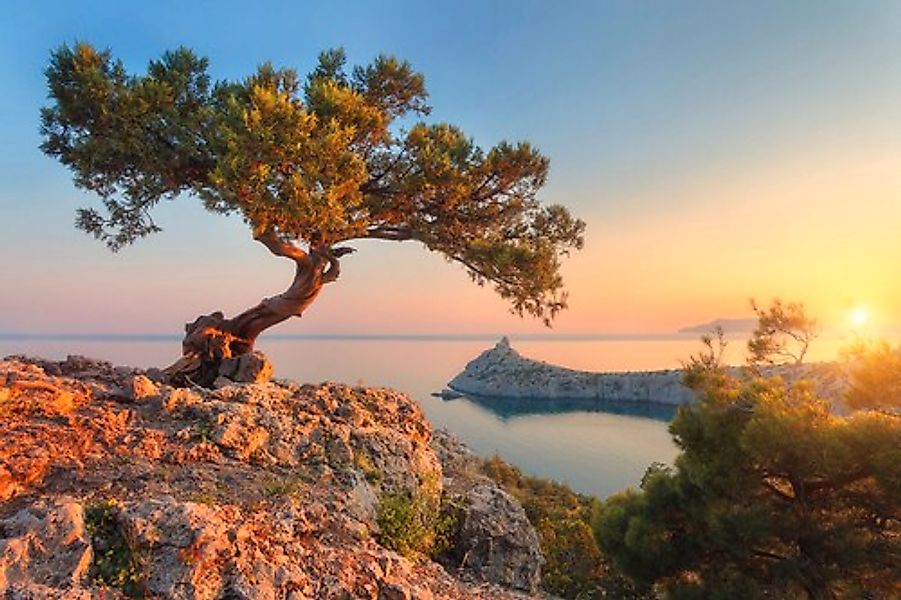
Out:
{"x": 334, "y": 268}
{"x": 280, "y": 247}
{"x": 333, "y": 271}
{"x": 769, "y": 555}
{"x": 387, "y": 232}
{"x": 779, "y": 493}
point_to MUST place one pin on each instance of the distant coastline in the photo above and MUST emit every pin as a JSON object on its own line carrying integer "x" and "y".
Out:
{"x": 727, "y": 325}
{"x": 501, "y": 372}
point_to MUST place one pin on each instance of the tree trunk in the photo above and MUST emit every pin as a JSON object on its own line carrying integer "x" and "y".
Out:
{"x": 211, "y": 339}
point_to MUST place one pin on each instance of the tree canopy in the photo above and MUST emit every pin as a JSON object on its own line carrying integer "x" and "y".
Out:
{"x": 875, "y": 376}
{"x": 308, "y": 162}
{"x": 783, "y": 333}
{"x": 772, "y": 496}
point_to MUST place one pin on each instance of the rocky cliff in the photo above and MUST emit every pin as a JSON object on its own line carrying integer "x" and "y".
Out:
{"x": 501, "y": 372}
{"x": 112, "y": 485}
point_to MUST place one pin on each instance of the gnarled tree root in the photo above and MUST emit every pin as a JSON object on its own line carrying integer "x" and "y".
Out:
{"x": 210, "y": 349}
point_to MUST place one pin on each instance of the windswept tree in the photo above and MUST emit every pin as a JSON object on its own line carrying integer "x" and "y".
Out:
{"x": 309, "y": 164}
{"x": 783, "y": 334}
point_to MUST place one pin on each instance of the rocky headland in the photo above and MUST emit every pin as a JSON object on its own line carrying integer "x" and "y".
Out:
{"x": 113, "y": 484}
{"x": 501, "y": 372}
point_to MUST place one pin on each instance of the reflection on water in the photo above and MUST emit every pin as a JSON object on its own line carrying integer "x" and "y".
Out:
{"x": 507, "y": 408}
{"x": 598, "y": 448}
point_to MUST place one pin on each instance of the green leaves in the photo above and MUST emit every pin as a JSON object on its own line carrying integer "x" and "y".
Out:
{"x": 773, "y": 495}
{"x": 131, "y": 140}
{"x": 283, "y": 167}
{"x": 783, "y": 333}
{"x": 319, "y": 160}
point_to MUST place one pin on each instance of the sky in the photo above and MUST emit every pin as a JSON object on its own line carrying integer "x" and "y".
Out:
{"x": 717, "y": 151}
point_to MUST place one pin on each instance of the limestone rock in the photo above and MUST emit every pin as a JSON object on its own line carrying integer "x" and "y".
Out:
{"x": 501, "y": 372}
{"x": 249, "y": 491}
{"x": 494, "y": 540}
{"x": 44, "y": 544}
{"x": 253, "y": 367}
{"x": 141, "y": 387}
{"x": 181, "y": 545}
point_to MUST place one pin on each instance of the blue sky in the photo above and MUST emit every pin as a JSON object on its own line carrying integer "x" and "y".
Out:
{"x": 657, "y": 116}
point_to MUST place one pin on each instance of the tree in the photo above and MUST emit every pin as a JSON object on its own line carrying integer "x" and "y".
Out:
{"x": 783, "y": 332}
{"x": 309, "y": 164}
{"x": 772, "y": 496}
{"x": 707, "y": 366}
{"x": 875, "y": 376}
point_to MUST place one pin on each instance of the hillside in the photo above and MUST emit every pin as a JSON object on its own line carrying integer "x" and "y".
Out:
{"x": 112, "y": 484}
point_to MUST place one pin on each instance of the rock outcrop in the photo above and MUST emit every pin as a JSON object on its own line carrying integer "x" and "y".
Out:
{"x": 493, "y": 540}
{"x": 501, "y": 372}
{"x": 112, "y": 483}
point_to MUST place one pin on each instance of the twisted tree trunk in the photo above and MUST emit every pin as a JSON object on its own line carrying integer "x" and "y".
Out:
{"x": 212, "y": 339}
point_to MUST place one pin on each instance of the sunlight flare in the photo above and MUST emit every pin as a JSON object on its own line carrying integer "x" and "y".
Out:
{"x": 859, "y": 316}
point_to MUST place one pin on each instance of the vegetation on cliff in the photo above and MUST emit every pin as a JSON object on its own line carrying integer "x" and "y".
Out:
{"x": 112, "y": 484}
{"x": 773, "y": 495}
{"x": 574, "y": 565}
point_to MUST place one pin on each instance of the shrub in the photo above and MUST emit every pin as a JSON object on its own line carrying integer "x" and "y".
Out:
{"x": 772, "y": 496}
{"x": 115, "y": 563}
{"x": 416, "y": 524}
{"x": 574, "y": 565}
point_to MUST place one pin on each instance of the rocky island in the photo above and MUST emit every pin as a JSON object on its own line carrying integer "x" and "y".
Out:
{"x": 501, "y": 372}
{"x": 113, "y": 484}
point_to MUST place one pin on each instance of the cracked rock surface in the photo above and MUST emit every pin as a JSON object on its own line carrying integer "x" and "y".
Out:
{"x": 111, "y": 482}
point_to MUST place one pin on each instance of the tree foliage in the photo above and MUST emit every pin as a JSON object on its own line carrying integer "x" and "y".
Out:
{"x": 341, "y": 154}
{"x": 875, "y": 376}
{"x": 771, "y": 496}
{"x": 574, "y": 566}
{"x": 706, "y": 367}
{"x": 783, "y": 333}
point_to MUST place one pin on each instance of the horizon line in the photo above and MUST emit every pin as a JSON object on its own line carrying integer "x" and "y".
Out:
{"x": 343, "y": 336}
{"x": 161, "y": 337}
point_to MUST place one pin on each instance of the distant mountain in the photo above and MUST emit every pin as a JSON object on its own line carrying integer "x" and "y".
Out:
{"x": 728, "y": 326}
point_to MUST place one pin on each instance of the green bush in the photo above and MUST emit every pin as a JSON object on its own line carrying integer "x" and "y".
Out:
{"x": 416, "y": 524}
{"x": 574, "y": 565}
{"x": 115, "y": 563}
{"x": 773, "y": 495}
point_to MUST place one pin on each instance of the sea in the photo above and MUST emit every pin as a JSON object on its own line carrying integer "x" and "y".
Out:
{"x": 597, "y": 448}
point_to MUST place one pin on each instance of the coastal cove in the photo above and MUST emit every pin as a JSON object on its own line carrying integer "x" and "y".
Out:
{"x": 599, "y": 448}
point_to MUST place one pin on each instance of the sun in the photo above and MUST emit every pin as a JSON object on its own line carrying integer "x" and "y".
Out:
{"x": 859, "y": 316}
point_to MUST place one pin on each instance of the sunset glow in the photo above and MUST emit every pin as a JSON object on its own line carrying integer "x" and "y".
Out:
{"x": 585, "y": 299}
{"x": 785, "y": 185}
{"x": 859, "y": 316}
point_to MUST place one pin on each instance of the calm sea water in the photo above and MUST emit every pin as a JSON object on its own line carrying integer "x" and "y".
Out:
{"x": 597, "y": 449}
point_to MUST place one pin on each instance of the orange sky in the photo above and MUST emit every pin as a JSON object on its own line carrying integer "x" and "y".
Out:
{"x": 823, "y": 230}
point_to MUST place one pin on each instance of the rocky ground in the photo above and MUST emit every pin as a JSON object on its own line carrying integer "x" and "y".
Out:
{"x": 112, "y": 484}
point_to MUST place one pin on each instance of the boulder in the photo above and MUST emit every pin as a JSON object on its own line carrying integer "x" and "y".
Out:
{"x": 139, "y": 388}
{"x": 253, "y": 367}
{"x": 43, "y": 546}
{"x": 494, "y": 540}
